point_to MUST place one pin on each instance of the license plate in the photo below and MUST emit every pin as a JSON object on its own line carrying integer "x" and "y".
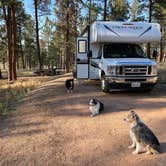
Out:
{"x": 135, "y": 84}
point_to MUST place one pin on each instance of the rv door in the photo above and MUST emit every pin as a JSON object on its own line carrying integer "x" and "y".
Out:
{"x": 82, "y": 65}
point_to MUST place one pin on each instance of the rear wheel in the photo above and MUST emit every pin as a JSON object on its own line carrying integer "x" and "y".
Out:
{"x": 104, "y": 84}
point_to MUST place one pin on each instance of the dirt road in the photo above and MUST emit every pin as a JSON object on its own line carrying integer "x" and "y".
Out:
{"x": 53, "y": 128}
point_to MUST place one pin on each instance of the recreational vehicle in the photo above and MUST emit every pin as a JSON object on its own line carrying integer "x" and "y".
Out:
{"x": 112, "y": 52}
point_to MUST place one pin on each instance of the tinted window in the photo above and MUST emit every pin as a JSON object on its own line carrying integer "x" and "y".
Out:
{"x": 123, "y": 51}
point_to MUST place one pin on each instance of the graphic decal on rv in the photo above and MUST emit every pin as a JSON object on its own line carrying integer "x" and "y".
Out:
{"x": 148, "y": 29}
{"x": 108, "y": 28}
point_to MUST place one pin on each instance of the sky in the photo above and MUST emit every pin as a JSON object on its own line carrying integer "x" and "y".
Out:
{"x": 28, "y": 6}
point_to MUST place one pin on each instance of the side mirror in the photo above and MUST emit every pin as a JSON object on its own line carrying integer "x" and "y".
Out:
{"x": 89, "y": 54}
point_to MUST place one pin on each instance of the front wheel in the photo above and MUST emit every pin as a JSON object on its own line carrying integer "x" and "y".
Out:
{"x": 104, "y": 84}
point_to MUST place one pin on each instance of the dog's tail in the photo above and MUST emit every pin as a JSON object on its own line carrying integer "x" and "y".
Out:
{"x": 154, "y": 150}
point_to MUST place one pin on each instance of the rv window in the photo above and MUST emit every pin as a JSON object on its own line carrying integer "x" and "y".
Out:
{"x": 82, "y": 46}
{"x": 117, "y": 50}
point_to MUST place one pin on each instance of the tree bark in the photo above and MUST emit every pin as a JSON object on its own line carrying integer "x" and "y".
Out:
{"x": 21, "y": 50}
{"x": 4, "y": 66}
{"x": 161, "y": 50}
{"x": 150, "y": 20}
{"x": 0, "y": 74}
{"x": 9, "y": 38}
{"x": 10, "y": 24}
{"x": 22, "y": 56}
{"x": 17, "y": 62}
{"x": 105, "y": 11}
{"x": 30, "y": 62}
{"x": 7, "y": 18}
{"x": 37, "y": 35}
{"x": 67, "y": 39}
{"x": 14, "y": 45}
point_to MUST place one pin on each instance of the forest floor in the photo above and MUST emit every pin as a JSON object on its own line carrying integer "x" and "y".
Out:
{"x": 51, "y": 127}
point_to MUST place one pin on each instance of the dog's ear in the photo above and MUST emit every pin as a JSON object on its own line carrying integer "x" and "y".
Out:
{"x": 132, "y": 112}
{"x": 95, "y": 101}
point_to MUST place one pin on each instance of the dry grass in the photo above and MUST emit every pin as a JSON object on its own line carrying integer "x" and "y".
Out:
{"x": 20, "y": 73}
{"x": 162, "y": 72}
{"x": 11, "y": 92}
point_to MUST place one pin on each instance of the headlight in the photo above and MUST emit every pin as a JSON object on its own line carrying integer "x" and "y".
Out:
{"x": 111, "y": 70}
{"x": 154, "y": 70}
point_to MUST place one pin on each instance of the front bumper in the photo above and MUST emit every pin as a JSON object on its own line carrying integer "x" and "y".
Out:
{"x": 124, "y": 82}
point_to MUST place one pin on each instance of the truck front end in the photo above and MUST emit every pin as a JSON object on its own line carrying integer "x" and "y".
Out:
{"x": 125, "y": 66}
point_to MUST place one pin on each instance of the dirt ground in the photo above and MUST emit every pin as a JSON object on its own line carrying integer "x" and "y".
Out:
{"x": 53, "y": 128}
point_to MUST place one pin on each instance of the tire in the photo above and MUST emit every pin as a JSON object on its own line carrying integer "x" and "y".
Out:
{"x": 104, "y": 85}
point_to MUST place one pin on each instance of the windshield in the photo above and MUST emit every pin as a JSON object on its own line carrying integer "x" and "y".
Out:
{"x": 123, "y": 51}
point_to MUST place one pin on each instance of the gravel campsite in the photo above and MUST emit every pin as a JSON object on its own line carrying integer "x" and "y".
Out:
{"x": 52, "y": 127}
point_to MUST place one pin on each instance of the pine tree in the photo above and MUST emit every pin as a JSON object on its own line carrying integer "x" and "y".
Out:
{"x": 155, "y": 10}
{"x": 9, "y": 8}
{"x": 105, "y": 14}
{"x": 67, "y": 13}
{"x": 134, "y": 10}
{"x": 41, "y": 5}
{"x": 160, "y": 15}
{"x": 29, "y": 47}
{"x": 119, "y": 9}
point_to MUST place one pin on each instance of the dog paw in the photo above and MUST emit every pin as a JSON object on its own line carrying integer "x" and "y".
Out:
{"x": 135, "y": 152}
{"x": 131, "y": 147}
{"x": 148, "y": 152}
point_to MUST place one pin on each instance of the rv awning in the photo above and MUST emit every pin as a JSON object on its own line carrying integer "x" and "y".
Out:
{"x": 124, "y": 32}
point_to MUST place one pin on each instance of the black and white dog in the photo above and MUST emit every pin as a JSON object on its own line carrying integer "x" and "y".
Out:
{"x": 95, "y": 106}
{"x": 69, "y": 84}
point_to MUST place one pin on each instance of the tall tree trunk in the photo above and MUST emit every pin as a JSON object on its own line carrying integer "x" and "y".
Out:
{"x": 30, "y": 61}
{"x": 21, "y": 50}
{"x": 67, "y": 39}
{"x": 150, "y": 20}
{"x": 105, "y": 11}
{"x": 0, "y": 74}
{"x": 161, "y": 49}
{"x": 14, "y": 45}
{"x": 22, "y": 56}
{"x": 17, "y": 61}
{"x": 37, "y": 34}
{"x": 4, "y": 66}
{"x": 7, "y": 18}
{"x": 9, "y": 38}
{"x": 90, "y": 18}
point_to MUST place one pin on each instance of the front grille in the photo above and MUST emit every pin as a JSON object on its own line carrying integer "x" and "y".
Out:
{"x": 134, "y": 70}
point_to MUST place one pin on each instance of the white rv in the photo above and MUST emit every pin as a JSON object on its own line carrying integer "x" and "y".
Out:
{"x": 115, "y": 56}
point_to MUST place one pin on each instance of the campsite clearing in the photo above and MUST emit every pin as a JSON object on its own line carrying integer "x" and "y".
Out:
{"x": 54, "y": 128}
